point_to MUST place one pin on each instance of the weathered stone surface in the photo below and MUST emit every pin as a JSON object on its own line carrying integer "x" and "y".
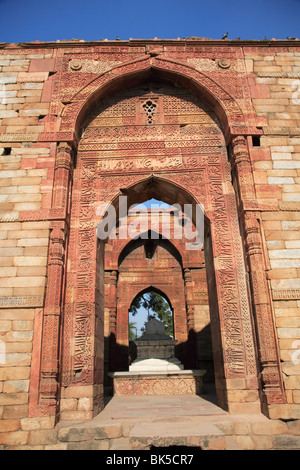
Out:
{"x": 14, "y": 438}
{"x": 294, "y": 427}
{"x": 89, "y": 432}
{"x": 205, "y": 436}
{"x": 73, "y": 434}
{"x": 30, "y": 424}
{"x": 89, "y": 445}
{"x": 284, "y": 442}
{"x": 42, "y": 436}
{"x": 120, "y": 444}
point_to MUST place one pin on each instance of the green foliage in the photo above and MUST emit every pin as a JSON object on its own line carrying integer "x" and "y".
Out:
{"x": 132, "y": 330}
{"x": 157, "y": 307}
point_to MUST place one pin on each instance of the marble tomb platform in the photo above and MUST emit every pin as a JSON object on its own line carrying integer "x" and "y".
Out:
{"x": 156, "y": 370}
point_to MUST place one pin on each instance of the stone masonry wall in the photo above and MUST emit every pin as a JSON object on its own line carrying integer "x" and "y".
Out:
{"x": 276, "y": 163}
{"x": 25, "y": 184}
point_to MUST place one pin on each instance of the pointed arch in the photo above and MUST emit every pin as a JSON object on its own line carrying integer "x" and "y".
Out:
{"x": 172, "y": 247}
{"x": 152, "y": 289}
{"x": 159, "y": 187}
{"x": 148, "y": 68}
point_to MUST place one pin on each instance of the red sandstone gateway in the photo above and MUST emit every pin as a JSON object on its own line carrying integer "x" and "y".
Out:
{"x": 187, "y": 122}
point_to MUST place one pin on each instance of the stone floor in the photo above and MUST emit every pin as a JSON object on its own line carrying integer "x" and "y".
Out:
{"x": 165, "y": 421}
{"x": 137, "y": 423}
{"x": 153, "y": 407}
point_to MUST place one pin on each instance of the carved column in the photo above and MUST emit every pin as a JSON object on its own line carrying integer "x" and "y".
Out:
{"x": 271, "y": 376}
{"x": 53, "y": 300}
{"x": 242, "y": 165}
{"x": 51, "y": 322}
{"x": 265, "y": 328}
{"x": 63, "y": 164}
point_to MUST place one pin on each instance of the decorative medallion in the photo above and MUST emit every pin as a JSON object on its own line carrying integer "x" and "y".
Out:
{"x": 75, "y": 64}
{"x": 224, "y": 63}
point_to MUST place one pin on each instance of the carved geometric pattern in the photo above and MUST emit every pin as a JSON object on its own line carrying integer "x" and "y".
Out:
{"x": 149, "y": 108}
{"x": 286, "y": 294}
{"x": 157, "y": 386}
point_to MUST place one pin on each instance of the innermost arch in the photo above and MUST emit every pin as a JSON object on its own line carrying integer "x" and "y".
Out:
{"x": 146, "y": 306}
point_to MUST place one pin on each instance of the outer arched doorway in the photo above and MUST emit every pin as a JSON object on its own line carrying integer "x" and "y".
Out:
{"x": 174, "y": 151}
{"x": 187, "y": 161}
{"x": 70, "y": 341}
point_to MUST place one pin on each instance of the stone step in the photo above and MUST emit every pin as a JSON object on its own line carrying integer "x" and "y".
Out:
{"x": 88, "y": 431}
{"x": 231, "y": 444}
{"x": 120, "y": 444}
{"x": 285, "y": 442}
{"x": 205, "y": 436}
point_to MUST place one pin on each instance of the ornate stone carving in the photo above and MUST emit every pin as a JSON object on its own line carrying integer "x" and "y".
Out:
{"x": 271, "y": 374}
{"x": 190, "y": 384}
{"x": 22, "y": 301}
{"x": 286, "y": 294}
{"x": 224, "y": 63}
{"x": 75, "y": 64}
{"x": 51, "y": 324}
{"x": 53, "y": 300}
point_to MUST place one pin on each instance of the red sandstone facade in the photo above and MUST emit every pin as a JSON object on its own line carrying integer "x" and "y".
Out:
{"x": 178, "y": 121}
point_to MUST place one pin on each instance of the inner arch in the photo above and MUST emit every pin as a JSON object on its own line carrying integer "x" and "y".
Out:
{"x": 159, "y": 188}
{"x": 159, "y": 241}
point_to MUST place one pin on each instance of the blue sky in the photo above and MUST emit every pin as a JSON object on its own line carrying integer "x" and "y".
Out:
{"x": 91, "y": 20}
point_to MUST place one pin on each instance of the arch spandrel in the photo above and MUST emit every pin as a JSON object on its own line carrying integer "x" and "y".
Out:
{"x": 125, "y": 247}
{"x": 227, "y": 108}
